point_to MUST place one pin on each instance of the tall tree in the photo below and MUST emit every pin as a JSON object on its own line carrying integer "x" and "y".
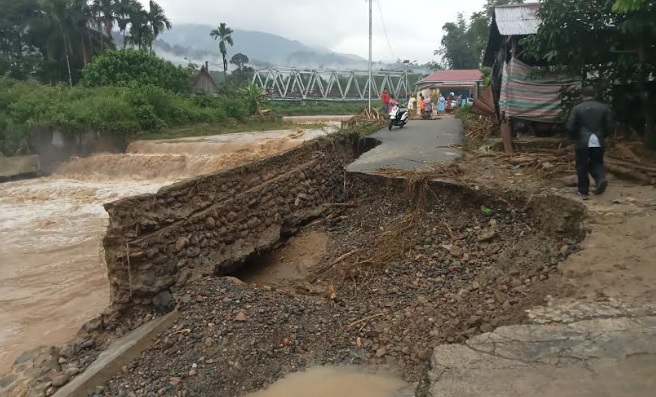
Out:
{"x": 104, "y": 12}
{"x": 605, "y": 47}
{"x": 157, "y": 20}
{"x": 139, "y": 33}
{"x": 240, "y": 60}
{"x": 144, "y": 26}
{"x": 125, "y": 10}
{"x": 464, "y": 41}
{"x": 19, "y": 58}
{"x": 224, "y": 34}
{"x": 50, "y": 39}
{"x": 62, "y": 21}
{"x": 457, "y": 51}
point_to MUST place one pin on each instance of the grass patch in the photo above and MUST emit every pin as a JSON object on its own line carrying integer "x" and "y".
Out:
{"x": 230, "y": 128}
{"x": 316, "y": 108}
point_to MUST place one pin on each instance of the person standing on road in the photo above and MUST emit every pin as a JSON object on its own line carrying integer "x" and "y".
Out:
{"x": 411, "y": 102}
{"x": 385, "y": 97}
{"x": 589, "y": 124}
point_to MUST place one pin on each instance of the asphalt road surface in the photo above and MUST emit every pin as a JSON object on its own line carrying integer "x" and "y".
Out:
{"x": 414, "y": 147}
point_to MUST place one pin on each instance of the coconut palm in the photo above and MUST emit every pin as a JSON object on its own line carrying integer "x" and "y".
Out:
{"x": 63, "y": 33}
{"x": 105, "y": 15}
{"x": 224, "y": 34}
{"x": 140, "y": 32}
{"x": 157, "y": 20}
{"x": 124, "y": 11}
{"x": 60, "y": 19}
{"x": 145, "y": 26}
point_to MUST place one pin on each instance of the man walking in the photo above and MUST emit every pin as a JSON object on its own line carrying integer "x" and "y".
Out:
{"x": 589, "y": 124}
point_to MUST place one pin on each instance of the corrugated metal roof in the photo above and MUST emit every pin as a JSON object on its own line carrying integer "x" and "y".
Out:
{"x": 453, "y": 75}
{"x": 517, "y": 20}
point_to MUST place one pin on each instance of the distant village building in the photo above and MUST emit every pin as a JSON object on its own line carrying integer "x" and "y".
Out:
{"x": 204, "y": 83}
{"x": 464, "y": 82}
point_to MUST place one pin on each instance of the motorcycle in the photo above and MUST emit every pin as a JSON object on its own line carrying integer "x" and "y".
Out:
{"x": 397, "y": 117}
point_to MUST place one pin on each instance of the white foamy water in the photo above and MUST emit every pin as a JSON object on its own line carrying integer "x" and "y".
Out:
{"x": 51, "y": 266}
{"x": 52, "y": 272}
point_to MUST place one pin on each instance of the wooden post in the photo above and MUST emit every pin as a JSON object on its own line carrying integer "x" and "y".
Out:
{"x": 506, "y": 136}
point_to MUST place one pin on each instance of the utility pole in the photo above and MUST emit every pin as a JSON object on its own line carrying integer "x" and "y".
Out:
{"x": 407, "y": 83}
{"x": 370, "y": 49}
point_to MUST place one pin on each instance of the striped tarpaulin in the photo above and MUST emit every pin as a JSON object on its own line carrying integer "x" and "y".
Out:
{"x": 530, "y": 94}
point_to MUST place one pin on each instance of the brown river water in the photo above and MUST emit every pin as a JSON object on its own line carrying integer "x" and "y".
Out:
{"x": 52, "y": 272}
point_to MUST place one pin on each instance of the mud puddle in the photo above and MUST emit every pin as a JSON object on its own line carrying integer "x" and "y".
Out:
{"x": 336, "y": 382}
{"x": 292, "y": 262}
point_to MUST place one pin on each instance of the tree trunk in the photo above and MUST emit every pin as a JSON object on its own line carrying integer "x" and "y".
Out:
{"x": 225, "y": 69}
{"x": 68, "y": 64}
{"x": 102, "y": 42}
{"x": 650, "y": 133}
{"x": 84, "y": 52}
{"x": 66, "y": 48}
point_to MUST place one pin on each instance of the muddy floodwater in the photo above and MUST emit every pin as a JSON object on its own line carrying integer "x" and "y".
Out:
{"x": 52, "y": 272}
{"x": 336, "y": 382}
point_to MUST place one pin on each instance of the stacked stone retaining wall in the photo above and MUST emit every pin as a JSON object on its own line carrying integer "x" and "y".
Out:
{"x": 211, "y": 224}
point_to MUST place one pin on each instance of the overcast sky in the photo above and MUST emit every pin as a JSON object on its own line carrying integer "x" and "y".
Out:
{"x": 414, "y": 27}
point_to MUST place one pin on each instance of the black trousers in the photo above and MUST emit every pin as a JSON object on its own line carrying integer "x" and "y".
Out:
{"x": 589, "y": 161}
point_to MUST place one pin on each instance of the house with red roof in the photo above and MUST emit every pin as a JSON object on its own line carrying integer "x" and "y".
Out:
{"x": 456, "y": 80}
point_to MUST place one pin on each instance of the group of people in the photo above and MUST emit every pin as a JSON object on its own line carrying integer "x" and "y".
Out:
{"x": 589, "y": 124}
{"x": 421, "y": 103}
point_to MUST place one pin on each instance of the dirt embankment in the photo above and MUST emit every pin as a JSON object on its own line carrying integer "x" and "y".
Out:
{"x": 403, "y": 265}
{"x": 401, "y": 272}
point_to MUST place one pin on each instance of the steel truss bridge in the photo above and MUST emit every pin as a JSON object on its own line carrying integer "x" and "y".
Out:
{"x": 284, "y": 84}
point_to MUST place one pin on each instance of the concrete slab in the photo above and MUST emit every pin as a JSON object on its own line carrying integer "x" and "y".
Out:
{"x": 588, "y": 358}
{"x": 413, "y": 147}
{"x": 19, "y": 165}
{"x": 119, "y": 353}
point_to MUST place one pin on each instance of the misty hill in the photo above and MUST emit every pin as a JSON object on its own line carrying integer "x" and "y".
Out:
{"x": 264, "y": 49}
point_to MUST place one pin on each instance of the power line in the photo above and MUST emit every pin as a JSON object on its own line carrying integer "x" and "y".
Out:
{"x": 389, "y": 45}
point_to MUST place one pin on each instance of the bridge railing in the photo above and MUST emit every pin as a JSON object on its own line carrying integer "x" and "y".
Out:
{"x": 332, "y": 85}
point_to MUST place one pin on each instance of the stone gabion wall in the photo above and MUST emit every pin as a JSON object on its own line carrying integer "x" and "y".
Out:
{"x": 211, "y": 224}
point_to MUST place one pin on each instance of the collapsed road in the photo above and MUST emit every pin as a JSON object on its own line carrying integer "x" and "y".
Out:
{"x": 368, "y": 273}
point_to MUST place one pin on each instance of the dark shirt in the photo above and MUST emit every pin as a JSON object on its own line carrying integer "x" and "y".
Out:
{"x": 587, "y": 118}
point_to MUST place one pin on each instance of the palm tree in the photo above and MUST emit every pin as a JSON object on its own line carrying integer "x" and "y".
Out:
{"x": 125, "y": 11}
{"x": 105, "y": 14}
{"x": 139, "y": 32}
{"x": 145, "y": 26}
{"x": 62, "y": 32}
{"x": 157, "y": 20}
{"x": 59, "y": 18}
{"x": 224, "y": 34}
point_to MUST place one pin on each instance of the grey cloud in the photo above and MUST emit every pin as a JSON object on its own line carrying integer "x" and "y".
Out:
{"x": 414, "y": 27}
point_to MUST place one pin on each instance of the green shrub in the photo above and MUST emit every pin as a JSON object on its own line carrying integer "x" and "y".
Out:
{"x": 308, "y": 108}
{"x": 233, "y": 107}
{"x": 124, "y": 67}
{"x": 463, "y": 111}
{"x": 129, "y": 109}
